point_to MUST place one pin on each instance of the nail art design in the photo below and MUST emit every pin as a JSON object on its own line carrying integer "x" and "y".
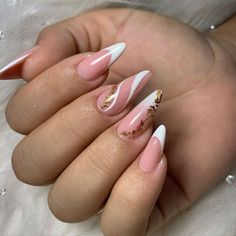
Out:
{"x": 13, "y": 69}
{"x": 152, "y": 154}
{"x": 141, "y": 117}
{"x": 96, "y": 65}
{"x": 116, "y": 98}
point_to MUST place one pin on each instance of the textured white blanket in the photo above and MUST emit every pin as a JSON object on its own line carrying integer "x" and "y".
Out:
{"x": 23, "y": 209}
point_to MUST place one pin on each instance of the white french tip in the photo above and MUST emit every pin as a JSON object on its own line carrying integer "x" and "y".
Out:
{"x": 160, "y": 133}
{"x": 116, "y": 50}
{"x": 13, "y": 63}
{"x": 142, "y": 74}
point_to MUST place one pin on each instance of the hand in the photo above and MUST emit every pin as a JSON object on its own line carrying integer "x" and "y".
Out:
{"x": 195, "y": 73}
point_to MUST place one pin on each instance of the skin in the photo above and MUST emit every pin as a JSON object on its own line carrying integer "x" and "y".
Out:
{"x": 197, "y": 75}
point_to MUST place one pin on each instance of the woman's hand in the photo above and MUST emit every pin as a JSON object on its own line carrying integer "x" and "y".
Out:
{"x": 196, "y": 74}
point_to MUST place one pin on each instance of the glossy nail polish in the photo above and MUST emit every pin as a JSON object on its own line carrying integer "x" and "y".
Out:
{"x": 96, "y": 65}
{"x": 117, "y": 97}
{"x": 13, "y": 70}
{"x": 152, "y": 155}
{"x": 141, "y": 117}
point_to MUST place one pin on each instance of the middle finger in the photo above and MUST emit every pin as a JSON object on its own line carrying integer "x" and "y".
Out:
{"x": 45, "y": 152}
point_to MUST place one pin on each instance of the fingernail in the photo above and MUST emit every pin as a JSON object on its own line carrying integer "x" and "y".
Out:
{"x": 96, "y": 65}
{"x": 141, "y": 117}
{"x": 116, "y": 98}
{"x": 151, "y": 156}
{"x": 13, "y": 70}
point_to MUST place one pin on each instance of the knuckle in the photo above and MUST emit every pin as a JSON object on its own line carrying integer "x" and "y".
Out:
{"x": 101, "y": 162}
{"x": 47, "y": 30}
{"x": 76, "y": 133}
{"x": 12, "y": 118}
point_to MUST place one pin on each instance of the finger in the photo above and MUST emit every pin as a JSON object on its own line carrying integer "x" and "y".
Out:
{"x": 134, "y": 195}
{"x": 86, "y": 183}
{"x": 45, "y": 152}
{"x": 59, "y": 85}
{"x": 87, "y": 32}
{"x": 54, "y": 44}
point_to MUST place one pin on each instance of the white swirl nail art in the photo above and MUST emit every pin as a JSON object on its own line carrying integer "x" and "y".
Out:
{"x": 119, "y": 96}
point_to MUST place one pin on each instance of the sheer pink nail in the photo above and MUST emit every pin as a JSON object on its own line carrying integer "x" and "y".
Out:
{"x": 96, "y": 65}
{"x": 116, "y": 98}
{"x": 141, "y": 117}
{"x": 13, "y": 70}
{"x": 152, "y": 155}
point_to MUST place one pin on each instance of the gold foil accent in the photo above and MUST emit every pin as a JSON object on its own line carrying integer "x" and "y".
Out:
{"x": 146, "y": 123}
{"x": 109, "y": 98}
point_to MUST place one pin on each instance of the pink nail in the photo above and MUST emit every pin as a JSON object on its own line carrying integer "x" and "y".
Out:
{"x": 116, "y": 98}
{"x": 13, "y": 70}
{"x": 141, "y": 117}
{"x": 96, "y": 65}
{"x": 152, "y": 154}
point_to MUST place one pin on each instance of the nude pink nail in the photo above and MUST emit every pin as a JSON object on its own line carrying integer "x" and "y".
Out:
{"x": 152, "y": 155}
{"x": 96, "y": 65}
{"x": 141, "y": 117}
{"x": 13, "y": 70}
{"x": 117, "y": 97}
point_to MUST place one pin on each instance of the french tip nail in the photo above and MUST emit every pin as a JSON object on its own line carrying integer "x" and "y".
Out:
{"x": 144, "y": 73}
{"x": 160, "y": 133}
{"x": 115, "y": 50}
{"x": 120, "y": 45}
{"x": 13, "y": 69}
{"x": 97, "y": 64}
{"x": 152, "y": 154}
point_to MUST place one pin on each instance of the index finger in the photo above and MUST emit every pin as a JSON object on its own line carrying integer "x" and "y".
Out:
{"x": 57, "y": 42}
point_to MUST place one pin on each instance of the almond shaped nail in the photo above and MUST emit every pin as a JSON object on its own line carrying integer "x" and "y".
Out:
{"x": 152, "y": 155}
{"x": 141, "y": 117}
{"x": 116, "y": 98}
{"x": 13, "y": 70}
{"x": 96, "y": 65}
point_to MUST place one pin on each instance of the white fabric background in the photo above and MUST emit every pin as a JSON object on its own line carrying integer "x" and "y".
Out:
{"x": 23, "y": 209}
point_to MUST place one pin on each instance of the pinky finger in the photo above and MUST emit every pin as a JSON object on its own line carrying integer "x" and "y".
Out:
{"x": 134, "y": 195}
